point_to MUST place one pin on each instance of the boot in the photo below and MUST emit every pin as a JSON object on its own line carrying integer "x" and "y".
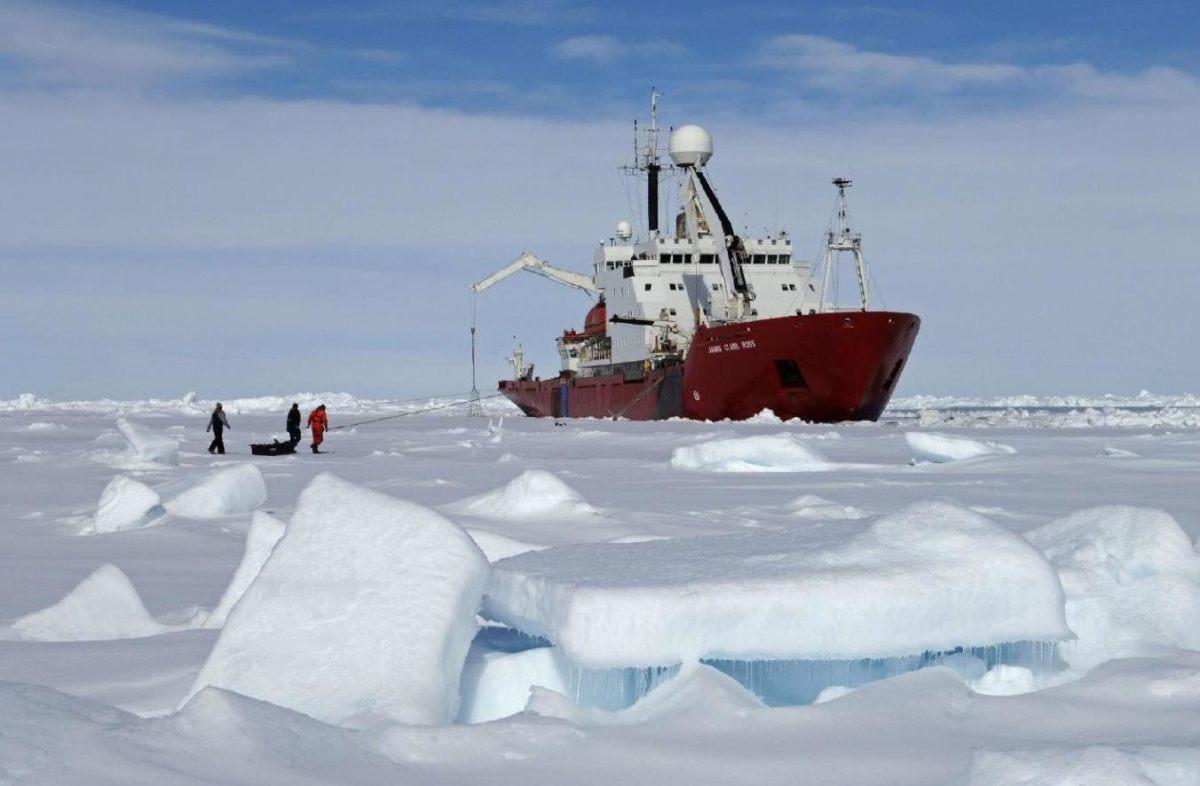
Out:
{"x": 314, "y": 447}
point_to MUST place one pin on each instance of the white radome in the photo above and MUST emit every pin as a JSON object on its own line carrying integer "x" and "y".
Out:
{"x": 624, "y": 230}
{"x": 690, "y": 146}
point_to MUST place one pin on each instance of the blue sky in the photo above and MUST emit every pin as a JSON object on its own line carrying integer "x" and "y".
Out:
{"x": 241, "y": 198}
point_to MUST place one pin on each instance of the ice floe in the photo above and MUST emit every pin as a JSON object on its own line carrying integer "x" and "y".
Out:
{"x": 779, "y": 453}
{"x": 498, "y": 684}
{"x": 533, "y": 494}
{"x": 126, "y": 504}
{"x": 1132, "y": 582}
{"x": 496, "y": 546}
{"x": 105, "y": 605}
{"x": 941, "y": 448}
{"x": 932, "y": 577}
{"x": 146, "y": 449}
{"x": 224, "y": 492}
{"x": 265, "y": 531}
{"x": 362, "y": 614}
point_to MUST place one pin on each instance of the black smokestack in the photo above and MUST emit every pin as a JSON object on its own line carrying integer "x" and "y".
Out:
{"x": 652, "y": 197}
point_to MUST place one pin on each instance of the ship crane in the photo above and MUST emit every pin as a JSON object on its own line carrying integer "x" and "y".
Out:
{"x": 534, "y": 264}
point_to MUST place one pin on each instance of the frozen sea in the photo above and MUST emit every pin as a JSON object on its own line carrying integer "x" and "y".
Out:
{"x": 91, "y": 691}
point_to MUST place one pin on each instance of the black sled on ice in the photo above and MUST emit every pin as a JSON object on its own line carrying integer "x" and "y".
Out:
{"x": 275, "y": 448}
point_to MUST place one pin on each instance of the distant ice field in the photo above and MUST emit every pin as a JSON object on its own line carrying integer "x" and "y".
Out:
{"x": 177, "y": 533}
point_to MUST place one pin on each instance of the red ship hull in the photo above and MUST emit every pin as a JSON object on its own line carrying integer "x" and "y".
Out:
{"x": 821, "y": 368}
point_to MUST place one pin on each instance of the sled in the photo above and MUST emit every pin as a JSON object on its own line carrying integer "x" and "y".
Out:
{"x": 275, "y": 448}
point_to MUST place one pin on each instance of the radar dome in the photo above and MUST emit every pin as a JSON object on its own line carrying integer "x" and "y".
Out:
{"x": 690, "y": 146}
{"x": 624, "y": 230}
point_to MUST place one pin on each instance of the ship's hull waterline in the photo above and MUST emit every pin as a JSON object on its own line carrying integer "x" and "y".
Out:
{"x": 821, "y": 368}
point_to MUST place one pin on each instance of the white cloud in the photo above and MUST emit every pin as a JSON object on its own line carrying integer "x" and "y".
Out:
{"x": 841, "y": 67}
{"x": 606, "y": 48}
{"x": 54, "y": 45}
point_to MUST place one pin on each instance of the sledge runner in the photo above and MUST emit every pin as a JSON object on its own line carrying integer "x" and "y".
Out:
{"x": 217, "y": 424}
{"x": 318, "y": 422}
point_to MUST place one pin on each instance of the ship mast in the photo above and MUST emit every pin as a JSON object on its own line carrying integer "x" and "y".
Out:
{"x": 838, "y": 239}
{"x": 645, "y": 159}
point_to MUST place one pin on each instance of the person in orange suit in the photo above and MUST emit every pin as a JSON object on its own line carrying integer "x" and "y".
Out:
{"x": 318, "y": 422}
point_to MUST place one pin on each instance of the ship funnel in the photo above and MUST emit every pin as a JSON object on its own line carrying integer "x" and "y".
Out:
{"x": 690, "y": 146}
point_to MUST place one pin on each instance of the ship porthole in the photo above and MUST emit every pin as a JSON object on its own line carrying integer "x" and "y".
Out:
{"x": 696, "y": 395}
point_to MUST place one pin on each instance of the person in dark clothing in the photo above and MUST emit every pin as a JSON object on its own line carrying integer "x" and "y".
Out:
{"x": 217, "y": 425}
{"x": 293, "y": 424}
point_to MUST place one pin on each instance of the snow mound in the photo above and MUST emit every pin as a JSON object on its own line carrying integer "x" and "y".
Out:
{"x": 1006, "y": 680}
{"x": 941, "y": 448}
{"x": 811, "y": 506}
{"x": 1111, "y": 451}
{"x": 533, "y": 494}
{"x": 497, "y": 684}
{"x": 697, "y": 691}
{"x": 42, "y": 425}
{"x": 265, "y": 531}
{"x": 780, "y": 453}
{"x": 225, "y": 492}
{"x": 1132, "y": 580}
{"x": 362, "y": 614}
{"x": 147, "y": 448}
{"x": 126, "y": 504}
{"x": 105, "y": 605}
{"x": 930, "y": 578}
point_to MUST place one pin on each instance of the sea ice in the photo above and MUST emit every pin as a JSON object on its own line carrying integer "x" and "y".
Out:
{"x": 779, "y": 453}
{"x": 126, "y": 504}
{"x": 148, "y": 448}
{"x": 363, "y": 613}
{"x": 265, "y": 531}
{"x": 495, "y": 546}
{"x": 930, "y": 578}
{"x": 497, "y": 684}
{"x": 811, "y": 506}
{"x": 533, "y": 494}
{"x": 105, "y": 605}
{"x": 1132, "y": 582}
{"x": 941, "y": 448}
{"x": 225, "y": 492}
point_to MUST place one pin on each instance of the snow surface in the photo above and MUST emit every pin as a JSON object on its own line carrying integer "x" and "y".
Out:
{"x": 225, "y": 492}
{"x": 362, "y": 614}
{"x": 1132, "y": 578}
{"x": 126, "y": 504}
{"x": 940, "y": 448}
{"x": 534, "y": 493}
{"x": 105, "y": 605}
{"x": 265, "y": 531}
{"x": 932, "y": 577}
{"x": 779, "y": 453}
{"x": 930, "y": 726}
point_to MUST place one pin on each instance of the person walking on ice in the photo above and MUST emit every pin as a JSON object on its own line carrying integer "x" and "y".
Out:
{"x": 217, "y": 425}
{"x": 293, "y": 424}
{"x": 318, "y": 422}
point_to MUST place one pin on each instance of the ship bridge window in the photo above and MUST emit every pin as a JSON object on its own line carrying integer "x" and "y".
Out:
{"x": 647, "y": 287}
{"x": 789, "y": 374}
{"x": 687, "y": 259}
{"x": 677, "y": 259}
{"x": 664, "y": 259}
{"x": 772, "y": 259}
{"x": 785, "y": 259}
{"x": 758, "y": 259}
{"x": 707, "y": 259}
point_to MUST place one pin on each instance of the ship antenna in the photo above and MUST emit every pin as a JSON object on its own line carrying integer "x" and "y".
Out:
{"x": 651, "y": 165}
{"x": 841, "y": 238}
